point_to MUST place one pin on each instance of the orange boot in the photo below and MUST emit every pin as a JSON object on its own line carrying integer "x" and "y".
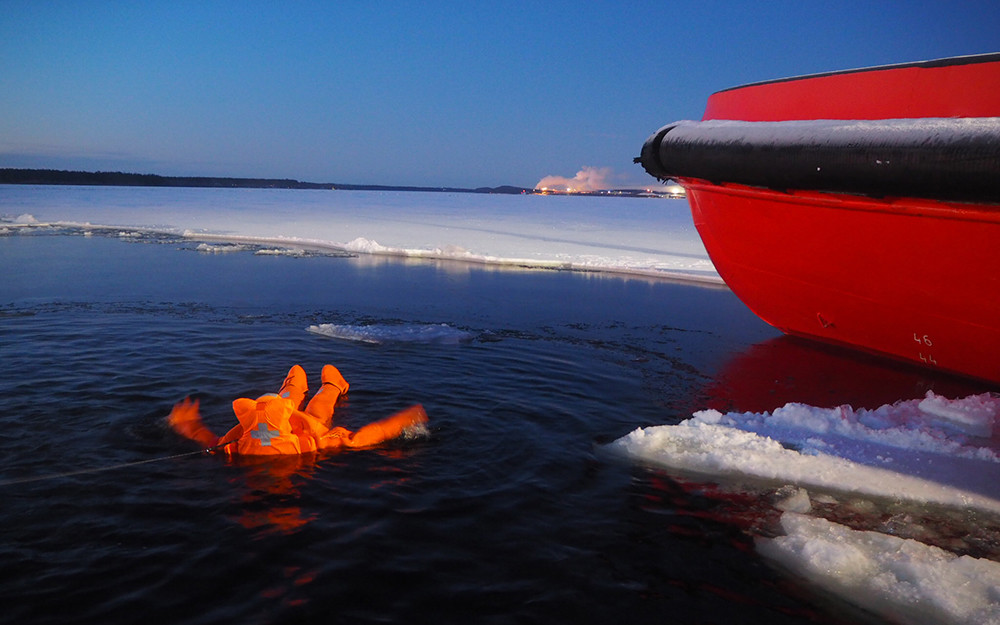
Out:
{"x": 333, "y": 387}
{"x": 295, "y": 386}
{"x": 332, "y": 376}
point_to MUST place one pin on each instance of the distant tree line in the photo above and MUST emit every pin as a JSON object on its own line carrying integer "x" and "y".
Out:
{"x": 117, "y": 178}
{"x": 121, "y": 179}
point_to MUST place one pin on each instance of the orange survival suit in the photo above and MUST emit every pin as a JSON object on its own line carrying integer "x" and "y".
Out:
{"x": 273, "y": 424}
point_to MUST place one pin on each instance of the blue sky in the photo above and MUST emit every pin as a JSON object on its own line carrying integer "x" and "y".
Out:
{"x": 419, "y": 93}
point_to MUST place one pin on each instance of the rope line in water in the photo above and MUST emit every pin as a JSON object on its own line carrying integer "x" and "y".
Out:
{"x": 53, "y": 476}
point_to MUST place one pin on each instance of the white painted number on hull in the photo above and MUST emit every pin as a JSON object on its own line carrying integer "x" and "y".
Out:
{"x": 924, "y": 341}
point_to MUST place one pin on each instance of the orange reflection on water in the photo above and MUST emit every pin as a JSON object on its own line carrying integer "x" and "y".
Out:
{"x": 272, "y": 480}
{"x": 271, "y": 487}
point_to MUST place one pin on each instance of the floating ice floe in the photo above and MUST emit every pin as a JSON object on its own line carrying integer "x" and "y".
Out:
{"x": 221, "y": 249}
{"x": 278, "y": 251}
{"x": 898, "y": 578}
{"x": 405, "y": 333}
{"x": 909, "y": 450}
{"x": 932, "y": 450}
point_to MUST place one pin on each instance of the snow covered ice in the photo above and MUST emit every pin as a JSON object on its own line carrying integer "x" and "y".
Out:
{"x": 929, "y": 452}
{"x": 630, "y": 235}
{"x": 900, "y": 578}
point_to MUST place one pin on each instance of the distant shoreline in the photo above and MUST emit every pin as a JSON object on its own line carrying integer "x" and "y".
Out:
{"x": 121, "y": 179}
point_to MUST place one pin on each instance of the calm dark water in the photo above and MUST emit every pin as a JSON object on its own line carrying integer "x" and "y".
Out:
{"x": 506, "y": 512}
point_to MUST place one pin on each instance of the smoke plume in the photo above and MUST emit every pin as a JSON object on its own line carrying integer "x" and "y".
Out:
{"x": 587, "y": 179}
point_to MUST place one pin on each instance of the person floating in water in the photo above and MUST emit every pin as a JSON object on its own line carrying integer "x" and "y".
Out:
{"x": 275, "y": 424}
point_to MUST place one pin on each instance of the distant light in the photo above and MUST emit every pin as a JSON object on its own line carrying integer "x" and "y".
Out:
{"x": 675, "y": 191}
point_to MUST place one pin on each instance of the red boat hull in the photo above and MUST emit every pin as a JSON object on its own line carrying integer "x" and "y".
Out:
{"x": 815, "y": 229}
{"x": 914, "y": 279}
{"x": 956, "y": 87}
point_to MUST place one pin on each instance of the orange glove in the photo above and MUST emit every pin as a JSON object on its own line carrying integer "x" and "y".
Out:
{"x": 388, "y": 428}
{"x": 186, "y": 421}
